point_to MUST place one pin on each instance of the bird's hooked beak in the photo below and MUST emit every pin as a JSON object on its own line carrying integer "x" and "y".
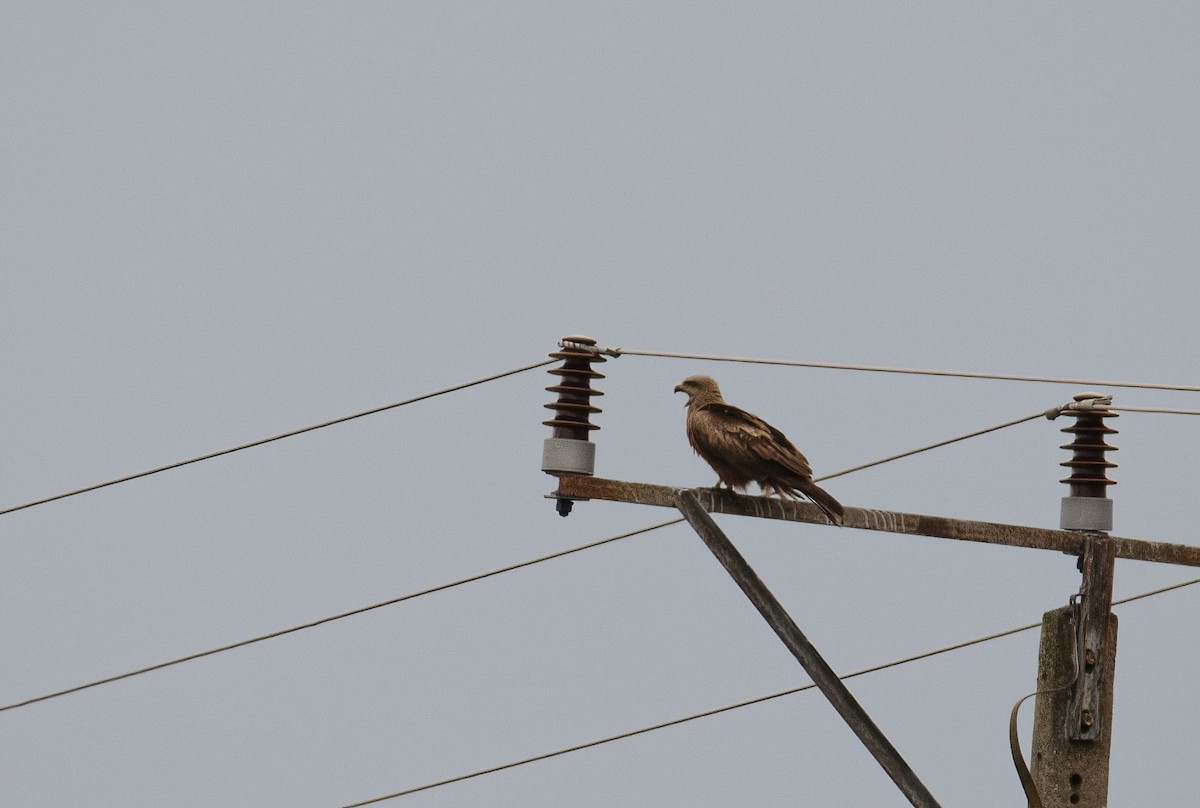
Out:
{"x": 679, "y": 388}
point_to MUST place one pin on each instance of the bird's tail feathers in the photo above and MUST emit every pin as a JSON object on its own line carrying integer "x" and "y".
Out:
{"x": 806, "y": 489}
{"x": 825, "y": 501}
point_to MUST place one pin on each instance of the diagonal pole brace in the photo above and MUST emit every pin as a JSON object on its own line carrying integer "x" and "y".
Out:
{"x": 812, "y": 662}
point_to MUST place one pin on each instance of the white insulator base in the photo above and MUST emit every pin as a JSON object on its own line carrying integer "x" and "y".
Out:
{"x": 1086, "y": 513}
{"x": 567, "y": 456}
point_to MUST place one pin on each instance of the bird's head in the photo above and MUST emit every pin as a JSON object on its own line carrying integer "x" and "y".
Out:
{"x": 704, "y": 387}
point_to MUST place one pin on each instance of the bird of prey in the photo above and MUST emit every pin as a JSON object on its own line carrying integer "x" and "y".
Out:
{"x": 742, "y": 447}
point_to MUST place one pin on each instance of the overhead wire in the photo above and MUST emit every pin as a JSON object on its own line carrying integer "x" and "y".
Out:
{"x": 332, "y": 618}
{"x": 939, "y": 444}
{"x": 914, "y": 371}
{"x": 1162, "y": 410}
{"x": 441, "y": 587}
{"x": 738, "y": 705}
{"x": 280, "y": 436}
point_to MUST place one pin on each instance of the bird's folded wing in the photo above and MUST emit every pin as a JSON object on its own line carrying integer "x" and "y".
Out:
{"x": 755, "y": 441}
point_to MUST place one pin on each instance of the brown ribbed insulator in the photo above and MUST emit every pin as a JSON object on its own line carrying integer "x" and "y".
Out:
{"x": 573, "y": 407}
{"x": 1088, "y": 464}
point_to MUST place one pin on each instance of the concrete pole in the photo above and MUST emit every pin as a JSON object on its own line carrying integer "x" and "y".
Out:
{"x": 1069, "y": 773}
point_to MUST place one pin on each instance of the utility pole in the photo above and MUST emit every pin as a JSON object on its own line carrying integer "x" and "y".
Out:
{"x": 1077, "y": 658}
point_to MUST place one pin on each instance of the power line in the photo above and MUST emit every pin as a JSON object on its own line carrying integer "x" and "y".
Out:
{"x": 1163, "y": 410}
{"x": 332, "y": 618}
{"x": 1154, "y": 592}
{"x": 883, "y": 369}
{"x": 736, "y": 706}
{"x": 452, "y": 584}
{"x": 1044, "y": 414}
{"x": 280, "y": 436}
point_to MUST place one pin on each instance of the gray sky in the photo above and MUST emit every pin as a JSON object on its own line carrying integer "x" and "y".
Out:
{"x": 225, "y": 221}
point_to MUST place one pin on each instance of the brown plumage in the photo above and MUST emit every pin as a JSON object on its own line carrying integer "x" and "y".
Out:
{"x": 743, "y": 448}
